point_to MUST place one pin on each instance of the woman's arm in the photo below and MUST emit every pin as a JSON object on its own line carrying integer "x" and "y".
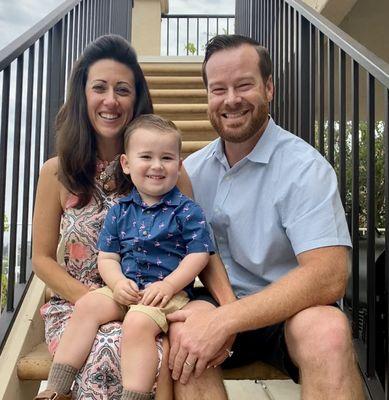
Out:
{"x": 46, "y": 226}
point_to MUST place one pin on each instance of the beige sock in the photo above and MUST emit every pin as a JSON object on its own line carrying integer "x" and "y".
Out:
{"x": 132, "y": 395}
{"x": 61, "y": 378}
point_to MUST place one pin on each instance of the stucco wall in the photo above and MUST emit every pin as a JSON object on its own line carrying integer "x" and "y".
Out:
{"x": 368, "y": 23}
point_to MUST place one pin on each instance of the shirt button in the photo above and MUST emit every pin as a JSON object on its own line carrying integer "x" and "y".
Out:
{"x": 148, "y": 212}
{"x": 144, "y": 233}
{"x": 139, "y": 249}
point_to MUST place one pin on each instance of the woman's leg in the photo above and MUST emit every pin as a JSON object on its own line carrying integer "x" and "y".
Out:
{"x": 139, "y": 357}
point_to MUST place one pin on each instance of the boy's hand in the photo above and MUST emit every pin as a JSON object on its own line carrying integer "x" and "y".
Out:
{"x": 157, "y": 294}
{"x": 126, "y": 292}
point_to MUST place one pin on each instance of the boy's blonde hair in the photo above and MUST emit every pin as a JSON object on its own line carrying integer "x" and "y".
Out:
{"x": 153, "y": 122}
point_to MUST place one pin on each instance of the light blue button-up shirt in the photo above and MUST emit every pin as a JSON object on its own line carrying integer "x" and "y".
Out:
{"x": 280, "y": 200}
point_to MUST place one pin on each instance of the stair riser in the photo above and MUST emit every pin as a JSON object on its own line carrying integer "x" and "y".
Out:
{"x": 181, "y": 116}
{"x": 160, "y": 99}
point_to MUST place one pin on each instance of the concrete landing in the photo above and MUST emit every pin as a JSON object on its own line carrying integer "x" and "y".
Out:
{"x": 251, "y": 390}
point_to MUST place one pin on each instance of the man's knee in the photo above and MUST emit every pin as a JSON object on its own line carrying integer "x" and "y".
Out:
{"x": 195, "y": 305}
{"x": 209, "y": 386}
{"x": 317, "y": 334}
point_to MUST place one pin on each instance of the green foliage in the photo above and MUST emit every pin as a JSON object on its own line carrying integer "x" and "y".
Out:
{"x": 363, "y": 155}
{"x": 4, "y": 283}
{"x": 191, "y": 48}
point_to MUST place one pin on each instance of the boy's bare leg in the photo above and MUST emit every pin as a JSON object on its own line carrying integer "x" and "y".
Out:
{"x": 91, "y": 311}
{"x": 139, "y": 356}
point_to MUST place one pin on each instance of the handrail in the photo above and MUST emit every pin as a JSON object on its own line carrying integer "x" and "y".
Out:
{"x": 363, "y": 56}
{"x": 23, "y": 42}
{"x": 196, "y": 31}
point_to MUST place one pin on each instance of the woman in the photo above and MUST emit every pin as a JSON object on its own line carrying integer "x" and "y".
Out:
{"x": 106, "y": 91}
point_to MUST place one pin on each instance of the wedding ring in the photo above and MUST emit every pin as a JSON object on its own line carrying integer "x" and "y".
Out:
{"x": 229, "y": 352}
{"x": 188, "y": 364}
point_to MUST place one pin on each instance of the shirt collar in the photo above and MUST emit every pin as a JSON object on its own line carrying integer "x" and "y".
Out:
{"x": 265, "y": 146}
{"x": 262, "y": 151}
{"x": 172, "y": 198}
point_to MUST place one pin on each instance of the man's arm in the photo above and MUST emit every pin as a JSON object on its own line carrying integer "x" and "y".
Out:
{"x": 214, "y": 278}
{"x": 320, "y": 278}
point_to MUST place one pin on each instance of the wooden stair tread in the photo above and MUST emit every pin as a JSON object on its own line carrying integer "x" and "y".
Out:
{"x": 36, "y": 366}
{"x": 187, "y": 108}
{"x": 175, "y": 82}
{"x": 172, "y": 69}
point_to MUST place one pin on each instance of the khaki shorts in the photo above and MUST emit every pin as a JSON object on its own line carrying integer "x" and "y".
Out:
{"x": 157, "y": 314}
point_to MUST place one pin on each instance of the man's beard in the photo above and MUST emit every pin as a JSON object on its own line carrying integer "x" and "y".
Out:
{"x": 241, "y": 134}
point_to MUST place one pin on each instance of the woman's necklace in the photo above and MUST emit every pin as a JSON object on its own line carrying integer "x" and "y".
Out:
{"x": 106, "y": 173}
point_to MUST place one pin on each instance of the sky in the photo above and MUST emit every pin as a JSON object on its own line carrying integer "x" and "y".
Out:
{"x": 17, "y": 16}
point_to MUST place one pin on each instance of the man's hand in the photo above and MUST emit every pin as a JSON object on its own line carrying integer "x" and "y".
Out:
{"x": 157, "y": 294}
{"x": 200, "y": 339}
{"x": 126, "y": 292}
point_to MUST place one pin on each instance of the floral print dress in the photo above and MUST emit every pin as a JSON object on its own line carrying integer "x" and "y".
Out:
{"x": 100, "y": 377}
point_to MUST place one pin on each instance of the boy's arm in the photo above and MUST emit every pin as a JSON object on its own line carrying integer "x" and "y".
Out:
{"x": 159, "y": 293}
{"x": 125, "y": 291}
{"x": 109, "y": 268}
{"x": 190, "y": 266}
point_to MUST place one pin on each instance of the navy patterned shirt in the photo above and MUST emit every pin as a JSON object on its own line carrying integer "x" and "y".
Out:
{"x": 152, "y": 240}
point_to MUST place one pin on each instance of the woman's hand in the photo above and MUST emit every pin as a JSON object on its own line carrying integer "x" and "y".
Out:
{"x": 223, "y": 353}
{"x": 126, "y": 292}
{"x": 157, "y": 294}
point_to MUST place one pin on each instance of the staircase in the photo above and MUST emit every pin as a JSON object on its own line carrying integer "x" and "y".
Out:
{"x": 178, "y": 94}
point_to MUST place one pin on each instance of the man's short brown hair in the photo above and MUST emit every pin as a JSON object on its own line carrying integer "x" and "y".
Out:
{"x": 225, "y": 42}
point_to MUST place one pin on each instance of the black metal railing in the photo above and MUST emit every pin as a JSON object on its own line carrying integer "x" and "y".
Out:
{"x": 33, "y": 75}
{"x": 187, "y": 34}
{"x": 334, "y": 93}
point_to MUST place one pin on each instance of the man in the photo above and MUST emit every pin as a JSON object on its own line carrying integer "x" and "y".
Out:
{"x": 280, "y": 229}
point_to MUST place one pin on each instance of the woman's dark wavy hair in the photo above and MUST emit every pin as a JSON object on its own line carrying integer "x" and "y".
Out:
{"x": 76, "y": 141}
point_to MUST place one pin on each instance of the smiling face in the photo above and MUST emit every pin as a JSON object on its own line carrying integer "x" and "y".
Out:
{"x": 238, "y": 99}
{"x": 153, "y": 161}
{"x": 110, "y": 97}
